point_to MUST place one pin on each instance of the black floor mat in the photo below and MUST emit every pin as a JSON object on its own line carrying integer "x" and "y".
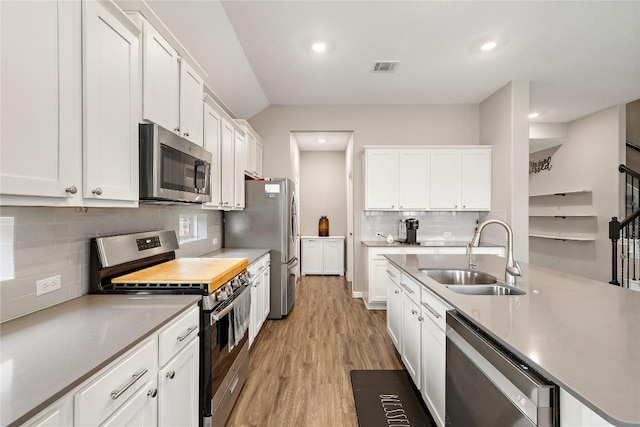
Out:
{"x": 383, "y": 397}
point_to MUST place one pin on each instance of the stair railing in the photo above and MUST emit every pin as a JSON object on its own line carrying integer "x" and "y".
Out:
{"x": 628, "y": 231}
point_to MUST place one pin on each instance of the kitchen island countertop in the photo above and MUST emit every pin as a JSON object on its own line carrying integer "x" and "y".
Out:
{"x": 48, "y": 353}
{"x": 426, "y": 244}
{"x": 582, "y": 334}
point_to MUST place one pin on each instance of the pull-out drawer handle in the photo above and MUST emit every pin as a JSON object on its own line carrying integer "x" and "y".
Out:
{"x": 391, "y": 274}
{"x": 431, "y": 310}
{"x": 117, "y": 393}
{"x": 408, "y": 289}
{"x": 186, "y": 334}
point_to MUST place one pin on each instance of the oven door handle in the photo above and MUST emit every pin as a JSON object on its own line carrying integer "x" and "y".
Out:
{"x": 219, "y": 315}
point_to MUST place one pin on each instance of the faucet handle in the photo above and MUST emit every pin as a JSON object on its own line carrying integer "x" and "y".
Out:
{"x": 515, "y": 269}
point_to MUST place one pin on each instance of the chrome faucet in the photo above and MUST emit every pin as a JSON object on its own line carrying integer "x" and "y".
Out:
{"x": 512, "y": 268}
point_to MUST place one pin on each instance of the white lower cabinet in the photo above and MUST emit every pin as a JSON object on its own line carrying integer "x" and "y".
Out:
{"x": 394, "y": 306}
{"x": 260, "y": 295}
{"x": 178, "y": 387}
{"x": 410, "y": 344}
{"x": 156, "y": 383}
{"x": 322, "y": 255}
{"x": 575, "y": 413}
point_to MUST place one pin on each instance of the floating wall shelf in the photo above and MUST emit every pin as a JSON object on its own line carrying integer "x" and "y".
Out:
{"x": 563, "y": 238}
{"x": 560, "y": 193}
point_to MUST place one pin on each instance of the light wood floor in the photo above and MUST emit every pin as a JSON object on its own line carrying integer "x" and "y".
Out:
{"x": 299, "y": 370}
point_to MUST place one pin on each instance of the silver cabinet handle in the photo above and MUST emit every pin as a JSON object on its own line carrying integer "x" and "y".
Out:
{"x": 464, "y": 206}
{"x": 71, "y": 190}
{"x": 237, "y": 204}
{"x": 396, "y": 292}
{"x": 186, "y": 134}
{"x": 390, "y": 274}
{"x": 176, "y": 130}
{"x": 414, "y": 312}
{"x": 97, "y": 191}
{"x": 431, "y": 310}
{"x": 171, "y": 374}
{"x": 408, "y": 289}
{"x": 117, "y": 393}
{"x": 392, "y": 206}
{"x": 455, "y": 206}
{"x": 153, "y": 393}
{"x": 186, "y": 334}
{"x": 420, "y": 318}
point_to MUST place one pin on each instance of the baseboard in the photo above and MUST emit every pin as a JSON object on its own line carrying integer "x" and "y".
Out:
{"x": 356, "y": 294}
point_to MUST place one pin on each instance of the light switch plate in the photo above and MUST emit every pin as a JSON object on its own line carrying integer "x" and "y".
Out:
{"x": 50, "y": 284}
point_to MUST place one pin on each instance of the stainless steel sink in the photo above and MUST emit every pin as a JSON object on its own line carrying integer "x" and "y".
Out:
{"x": 496, "y": 289}
{"x": 459, "y": 277}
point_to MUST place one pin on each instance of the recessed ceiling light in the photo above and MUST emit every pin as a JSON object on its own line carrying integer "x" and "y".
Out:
{"x": 319, "y": 47}
{"x": 322, "y": 140}
{"x": 490, "y": 45}
{"x": 534, "y": 115}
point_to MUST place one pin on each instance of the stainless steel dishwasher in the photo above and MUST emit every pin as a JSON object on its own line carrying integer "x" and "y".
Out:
{"x": 486, "y": 387}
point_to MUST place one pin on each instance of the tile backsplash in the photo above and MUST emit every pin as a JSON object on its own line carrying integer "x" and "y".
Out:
{"x": 40, "y": 242}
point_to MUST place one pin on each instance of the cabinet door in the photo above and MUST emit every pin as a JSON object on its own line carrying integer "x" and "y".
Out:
{"x": 381, "y": 170}
{"x": 238, "y": 192}
{"x": 312, "y": 256}
{"x": 410, "y": 344}
{"x": 433, "y": 365}
{"x": 258, "y": 159}
{"x": 266, "y": 289}
{"x": 178, "y": 388}
{"x": 444, "y": 179}
{"x": 140, "y": 410}
{"x": 191, "y": 94}
{"x": 333, "y": 256}
{"x": 111, "y": 103}
{"x": 227, "y": 165}
{"x": 58, "y": 414}
{"x": 40, "y": 100}
{"x": 475, "y": 177}
{"x": 253, "y": 314}
{"x": 412, "y": 179}
{"x": 250, "y": 154}
{"x": 212, "y": 143}
{"x": 378, "y": 280}
{"x": 160, "y": 83}
{"x": 394, "y": 313}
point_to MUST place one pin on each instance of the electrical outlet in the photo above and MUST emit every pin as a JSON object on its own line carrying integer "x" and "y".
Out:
{"x": 214, "y": 242}
{"x": 447, "y": 234}
{"x": 47, "y": 285}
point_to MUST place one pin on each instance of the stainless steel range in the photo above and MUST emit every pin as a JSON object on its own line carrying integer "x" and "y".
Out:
{"x": 224, "y": 361}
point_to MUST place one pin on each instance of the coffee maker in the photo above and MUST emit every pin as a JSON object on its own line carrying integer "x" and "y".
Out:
{"x": 408, "y": 232}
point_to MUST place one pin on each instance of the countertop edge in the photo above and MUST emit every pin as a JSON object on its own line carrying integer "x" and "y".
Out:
{"x": 78, "y": 381}
{"x": 606, "y": 416}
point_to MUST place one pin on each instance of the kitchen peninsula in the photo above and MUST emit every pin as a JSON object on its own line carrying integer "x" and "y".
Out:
{"x": 579, "y": 333}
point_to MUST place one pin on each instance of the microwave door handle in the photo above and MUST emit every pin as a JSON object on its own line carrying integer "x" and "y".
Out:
{"x": 201, "y": 164}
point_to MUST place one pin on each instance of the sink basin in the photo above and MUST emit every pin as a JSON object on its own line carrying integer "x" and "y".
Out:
{"x": 460, "y": 277}
{"x": 496, "y": 289}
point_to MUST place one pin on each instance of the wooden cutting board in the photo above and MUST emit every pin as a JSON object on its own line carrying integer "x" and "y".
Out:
{"x": 212, "y": 271}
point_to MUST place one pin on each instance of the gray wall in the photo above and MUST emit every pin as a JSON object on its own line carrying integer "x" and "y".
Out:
{"x": 453, "y": 124}
{"x": 504, "y": 125}
{"x": 323, "y": 191}
{"x": 587, "y": 161}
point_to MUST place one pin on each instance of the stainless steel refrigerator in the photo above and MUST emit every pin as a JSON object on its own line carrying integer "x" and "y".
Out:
{"x": 269, "y": 221}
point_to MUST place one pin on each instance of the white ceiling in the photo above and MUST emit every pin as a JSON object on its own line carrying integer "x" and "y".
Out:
{"x": 580, "y": 56}
{"x": 334, "y": 141}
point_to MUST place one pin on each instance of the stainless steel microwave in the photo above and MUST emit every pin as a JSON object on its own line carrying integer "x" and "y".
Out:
{"x": 172, "y": 169}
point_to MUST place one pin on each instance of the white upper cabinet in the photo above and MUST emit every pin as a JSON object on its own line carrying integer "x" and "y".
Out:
{"x": 252, "y": 150}
{"x": 381, "y": 174}
{"x": 259, "y": 158}
{"x": 475, "y": 177}
{"x": 239, "y": 170}
{"x": 40, "y": 102}
{"x": 172, "y": 90}
{"x": 227, "y": 163}
{"x": 396, "y": 179}
{"x": 460, "y": 179}
{"x": 191, "y": 92}
{"x": 212, "y": 133}
{"x": 111, "y": 103}
{"x": 444, "y": 176}
{"x": 161, "y": 78}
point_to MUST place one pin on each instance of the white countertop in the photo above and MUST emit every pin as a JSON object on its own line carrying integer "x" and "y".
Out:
{"x": 44, "y": 355}
{"x": 582, "y": 334}
{"x": 252, "y": 254}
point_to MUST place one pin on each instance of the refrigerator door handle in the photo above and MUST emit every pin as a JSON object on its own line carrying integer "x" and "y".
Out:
{"x": 293, "y": 262}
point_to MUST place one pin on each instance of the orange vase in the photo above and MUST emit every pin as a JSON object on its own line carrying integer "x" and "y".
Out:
{"x": 323, "y": 227}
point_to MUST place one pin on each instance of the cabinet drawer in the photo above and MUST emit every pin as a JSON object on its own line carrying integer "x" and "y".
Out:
{"x": 393, "y": 273}
{"x": 410, "y": 287}
{"x": 175, "y": 336}
{"x": 434, "y": 308}
{"x": 112, "y": 388}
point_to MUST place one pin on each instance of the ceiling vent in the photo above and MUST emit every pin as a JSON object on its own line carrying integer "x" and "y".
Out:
{"x": 384, "y": 66}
